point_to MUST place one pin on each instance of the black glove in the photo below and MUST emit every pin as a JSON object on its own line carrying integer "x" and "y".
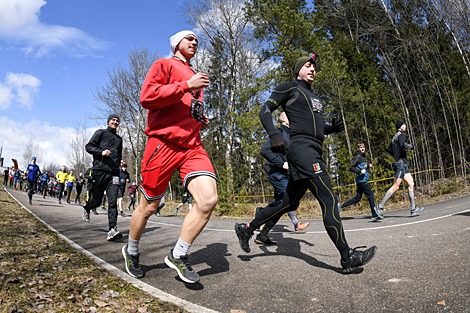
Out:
{"x": 277, "y": 144}
{"x": 338, "y": 125}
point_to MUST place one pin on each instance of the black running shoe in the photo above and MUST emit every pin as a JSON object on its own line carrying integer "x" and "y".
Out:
{"x": 132, "y": 263}
{"x": 182, "y": 267}
{"x": 243, "y": 237}
{"x": 94, "y": 211}
{"x": 358, "y": 258}
{"x": 262, "y": 239}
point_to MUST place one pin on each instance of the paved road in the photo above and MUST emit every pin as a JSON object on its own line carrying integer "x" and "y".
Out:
{"x": 422, "y": 263}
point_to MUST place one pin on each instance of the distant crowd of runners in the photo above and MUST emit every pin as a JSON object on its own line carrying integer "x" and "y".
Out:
{"x": 173, "y": 95}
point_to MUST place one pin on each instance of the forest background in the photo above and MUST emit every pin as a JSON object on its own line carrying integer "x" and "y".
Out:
{"x": 380, "y": 61}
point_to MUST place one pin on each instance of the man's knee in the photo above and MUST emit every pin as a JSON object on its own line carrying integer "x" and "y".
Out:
{"x": 148, "y": 208}
{"x": 207, "y": 204}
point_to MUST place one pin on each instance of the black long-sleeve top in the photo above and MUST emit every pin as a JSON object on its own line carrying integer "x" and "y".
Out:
{"x": 101, "y": 140}
{"x": 303, "y": 109}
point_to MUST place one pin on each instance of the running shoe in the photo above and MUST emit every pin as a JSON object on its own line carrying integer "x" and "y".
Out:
{"x": 182, "y": 267}
{"x": 60, "y": 202}
{"x": 122, "y": 213}
{"x": 416, "y": 211}
{"x": 103, "y": 208}
{"x": 94, "y": 211}
{"x": 375, "y": 217}
{"x": 157, "y": 214}
{"x": 301, "y": 226}
{"x": 114, "y": 234}
{"x": 86, "y": 216}
{"x": 132, "y": 264}
{"x": 358, "y": 258}
{"x": 262, "y": 239}
{"x": 379, "y": 213}
{"x": 243, "y": 237}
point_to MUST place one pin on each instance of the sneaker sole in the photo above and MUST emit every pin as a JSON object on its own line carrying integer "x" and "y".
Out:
{"x": 350, "y": 269}
{"x": 125, "y": 261}
{"x": 241, "y": 241}
{"x": 173, "y": 266}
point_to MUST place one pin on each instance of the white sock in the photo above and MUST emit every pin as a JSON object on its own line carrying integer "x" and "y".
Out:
{"x": 181, "y": 248}
{"x": 133, "y": 246}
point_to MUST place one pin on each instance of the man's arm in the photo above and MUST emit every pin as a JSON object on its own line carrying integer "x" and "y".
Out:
{"x": 279, "y": 96}
{"x": 93, "y": 146}
{"x": 336, "y": 126}
{"x": 271, "y": 156}
{"x": 403, "y": 144}
{"x": 156, "y": 91}
{"x": 354, "y": 163}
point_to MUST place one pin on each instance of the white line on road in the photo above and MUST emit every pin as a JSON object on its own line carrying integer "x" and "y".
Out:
{"x": 323, "y": 231}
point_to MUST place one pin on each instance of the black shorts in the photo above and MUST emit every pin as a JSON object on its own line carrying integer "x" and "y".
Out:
{"x": 305, "y": 158}
{"x": 401, "y": 169}
{"x": 121, "y": 192}
{"x": 187, "y": 199}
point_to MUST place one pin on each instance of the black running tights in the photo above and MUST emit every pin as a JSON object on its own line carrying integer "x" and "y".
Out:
{"x": 321, "y": 188}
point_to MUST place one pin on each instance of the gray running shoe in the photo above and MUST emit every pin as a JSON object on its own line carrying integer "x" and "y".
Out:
{"x": 86, "y": 216}
{"x": 94, "y": 211}
{"x": 132, "y": 264}
{"x": 182, "y": 267}
{"x": 114, "y": 234}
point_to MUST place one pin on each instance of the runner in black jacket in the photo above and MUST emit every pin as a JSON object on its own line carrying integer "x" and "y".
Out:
{"x": 307, "y": 171}
{"x": 106, "y": 147}
{"x": 397, "y": 149}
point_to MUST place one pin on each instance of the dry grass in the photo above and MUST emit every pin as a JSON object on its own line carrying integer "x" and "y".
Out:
{"x": 42, "y": 273}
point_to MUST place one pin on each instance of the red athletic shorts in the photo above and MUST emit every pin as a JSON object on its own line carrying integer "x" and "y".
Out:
{"x": 163, "y": 157}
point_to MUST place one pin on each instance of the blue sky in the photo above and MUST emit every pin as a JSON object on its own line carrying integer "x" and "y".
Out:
{"x": 53, "y": 55}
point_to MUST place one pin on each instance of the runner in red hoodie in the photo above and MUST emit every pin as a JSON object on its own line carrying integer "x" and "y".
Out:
{"x": 173, "y": 94}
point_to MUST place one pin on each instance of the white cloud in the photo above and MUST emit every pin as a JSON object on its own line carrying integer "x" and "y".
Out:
{"x": 20, "y": 88}
{"x": 53, "y": 140}
{"x": 20, "y": 23}
{"x": 5, "y": 96}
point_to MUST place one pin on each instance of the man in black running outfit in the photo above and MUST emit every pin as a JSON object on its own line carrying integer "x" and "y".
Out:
{"x": 304, "y": 153}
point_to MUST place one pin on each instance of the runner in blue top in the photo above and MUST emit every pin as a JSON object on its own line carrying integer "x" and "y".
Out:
{"x": 44, "y": 182}
{"x": 33, "y": 173}
{"x": 360, "y": 167}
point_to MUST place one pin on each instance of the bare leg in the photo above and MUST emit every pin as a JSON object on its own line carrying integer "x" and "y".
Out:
{"x": 140, "y": 216}
{"x": 204, "y": 191}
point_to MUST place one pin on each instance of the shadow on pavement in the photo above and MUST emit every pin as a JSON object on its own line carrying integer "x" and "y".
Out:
{"x": 289, "y": 247}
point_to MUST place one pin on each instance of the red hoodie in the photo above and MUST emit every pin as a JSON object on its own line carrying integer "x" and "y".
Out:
{"x": 165, "y": 93}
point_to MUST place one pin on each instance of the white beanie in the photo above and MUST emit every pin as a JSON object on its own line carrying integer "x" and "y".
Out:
{"x": 176, "y": 38}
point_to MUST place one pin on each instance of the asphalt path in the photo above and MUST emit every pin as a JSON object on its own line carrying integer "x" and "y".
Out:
{"x": 422, "y": 262}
